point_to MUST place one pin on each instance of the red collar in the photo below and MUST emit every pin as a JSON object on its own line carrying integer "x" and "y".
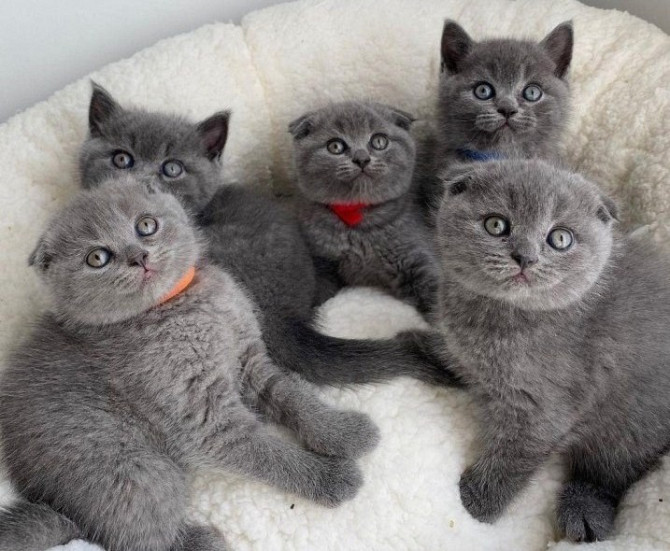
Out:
{"x": 350, "y": 213}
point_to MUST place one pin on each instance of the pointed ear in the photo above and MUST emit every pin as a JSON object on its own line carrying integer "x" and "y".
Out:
{"x": 302, "y": 126}
{"x": 558, "y": 45}
{"x": 40, "y": 258}
{"x": 101, "y": 109}
{"x": 609, "y": 210}
{"x": 456, "y": 44}
{"x": 214, "y": 134}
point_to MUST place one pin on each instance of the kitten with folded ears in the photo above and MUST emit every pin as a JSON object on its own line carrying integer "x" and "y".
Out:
{"x": 150, "y": 365}
{"x": 354, "y": 164}
{"x": 558, "y": 325}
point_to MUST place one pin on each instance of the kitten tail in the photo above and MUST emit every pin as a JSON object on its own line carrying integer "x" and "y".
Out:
{"x": 28, "y": 526}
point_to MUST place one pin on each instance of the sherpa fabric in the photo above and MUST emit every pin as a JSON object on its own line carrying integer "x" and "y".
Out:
{"x": 292, "y": 57}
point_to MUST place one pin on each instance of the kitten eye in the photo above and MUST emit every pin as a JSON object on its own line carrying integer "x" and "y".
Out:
{"x": 336, "y": 146}
{"x": 560, "y": 239}
{"x": 379, "y": 142}
{"x": 484, "y": 91}
{"x": 146, "y": 226}
{"x": 98, "y": 258}
{"x": 532, "y": 92}
{"x": 172, "y": 168}
{"x": 496, "y": 226}
{"x": 123, "y": 160}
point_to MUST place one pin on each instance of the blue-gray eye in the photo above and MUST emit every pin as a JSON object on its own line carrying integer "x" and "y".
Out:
{"x": 560, "y": 239}
{"x": 146, "y": 226}
{"x": 484, "y": 91}
{"x": 98, "y": 258}
{"x": 532, "y": 92}
{"x": 336, "y": 146}
{"x": 172, "y": 168}
{"x": 123, "y": 159}
{"x": 379, "y": 142}
{"x": 496, "y": 225}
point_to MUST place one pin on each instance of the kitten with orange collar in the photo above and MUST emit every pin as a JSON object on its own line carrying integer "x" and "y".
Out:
{"x": 354, "y": 164}
{"x": 151, "y": 364}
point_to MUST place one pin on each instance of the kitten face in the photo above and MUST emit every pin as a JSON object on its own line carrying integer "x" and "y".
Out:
{"x": 503, "y": 92}
{"x": 524, "y": 232}
{"x": 177, "y": 156}
{"x": 113, "y": 252}
{"x": 353, "y": 152}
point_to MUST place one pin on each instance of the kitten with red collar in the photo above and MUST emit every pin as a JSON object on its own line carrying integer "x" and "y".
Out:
{"x": 354, "y": 163}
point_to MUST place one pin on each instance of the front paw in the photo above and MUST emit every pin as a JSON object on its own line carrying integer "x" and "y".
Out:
{"x": 338, "y": 481}
{"x": 586, "y": 513}
{"x": 344, "y": 434}
{"x": 479, "y": 498}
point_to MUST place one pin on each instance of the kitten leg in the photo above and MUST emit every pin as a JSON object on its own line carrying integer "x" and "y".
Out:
{"x": 245, "y": 445}
{"x": 488, "y": 486}
{"x": 585, "y": 511}
{"x": 419, "y": 279}
{"x": 287, "y": 399}
{"x": 199, "y": 538}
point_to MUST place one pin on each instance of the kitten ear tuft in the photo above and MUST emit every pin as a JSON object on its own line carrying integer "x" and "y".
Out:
{"x": 302, "y": 126}
{"x": 101, "y": 108}
{"x": 558, "y": 44}
{"x": 40, "y": 258}
{"x": 456, "y": 45}
{"x": 213, "y": 132}
{"x": 608, "y": 211}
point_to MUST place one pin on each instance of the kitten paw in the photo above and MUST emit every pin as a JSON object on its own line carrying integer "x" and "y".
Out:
{"x": 585, "y": 512}
{"x": 338, "y": 481}
{"x": 347, "y": 434}
{"x": 477, "y": 497}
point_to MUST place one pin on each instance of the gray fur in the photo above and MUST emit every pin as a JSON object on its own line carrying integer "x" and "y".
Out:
{"x": 390, "y": 247}
{"x": 142, "y": 393}
{"x": 572, "y": 358}
{"x": 464, "y": 122}
{"x": 253, "y": 238}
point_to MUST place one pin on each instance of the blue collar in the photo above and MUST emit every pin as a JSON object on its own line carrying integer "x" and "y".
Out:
{"x": 474, "y": 155}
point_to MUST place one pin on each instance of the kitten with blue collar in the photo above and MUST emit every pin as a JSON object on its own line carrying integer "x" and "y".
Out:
{"x": 498, "y": 99}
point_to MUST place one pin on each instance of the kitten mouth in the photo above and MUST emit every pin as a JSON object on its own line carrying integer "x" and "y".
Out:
{"x": 521, "y": 278}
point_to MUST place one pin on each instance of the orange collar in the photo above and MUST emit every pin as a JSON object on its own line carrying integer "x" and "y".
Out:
{"x": 180, "y": 286}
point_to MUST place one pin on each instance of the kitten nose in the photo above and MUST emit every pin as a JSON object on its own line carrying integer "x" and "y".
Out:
{"x": 507, "y": 111}
{"x": 361, "y": 158}
{"x": 137, "y": 256}
{"x": 524, "y": 261}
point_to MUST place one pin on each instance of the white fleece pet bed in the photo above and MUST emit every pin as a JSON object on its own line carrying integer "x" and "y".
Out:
{"x": 292, "y": 57}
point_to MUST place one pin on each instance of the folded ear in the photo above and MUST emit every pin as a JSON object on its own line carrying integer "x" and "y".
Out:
{"x": 400, "y": 118}
{"x": 302, "y": 126}
{"x": 558, "y": 45}
{"x": 101, "y": 109}
{"x": 609, "y": 210}
{"x": 457, "y": 178}
{"x": 456, "y": 45}
{"x": 213, "y": 133}
{"x": 41, "y": 257}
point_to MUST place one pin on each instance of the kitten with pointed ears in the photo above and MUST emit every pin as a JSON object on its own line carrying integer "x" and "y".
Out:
{"x": 498, "y": 99}
{"x": 354, "y": 164}
{"x": 150, "y": 365}
{"x": 559, "y": 327}
{"x": 247, "y": 234}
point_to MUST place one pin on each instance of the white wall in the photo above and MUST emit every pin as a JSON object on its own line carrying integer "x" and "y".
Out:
{"x": 46, "y": 44}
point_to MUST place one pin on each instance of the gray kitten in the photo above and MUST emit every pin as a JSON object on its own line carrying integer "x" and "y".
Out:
{"x": 146, "y": 370}
{"x": 498, "y": 99}
{"x": 250, "y": 236}
{"x": 559, "y": 326}
{"x": 354, "y": 164}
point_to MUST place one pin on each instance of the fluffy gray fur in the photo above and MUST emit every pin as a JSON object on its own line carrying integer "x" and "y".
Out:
{"x": 116, "y": 396}
{"x": 252, "y": 237}
{"x": 390, "y": 247}
{"x": 507, "y": 125}
{"x": 565, "y": 351}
